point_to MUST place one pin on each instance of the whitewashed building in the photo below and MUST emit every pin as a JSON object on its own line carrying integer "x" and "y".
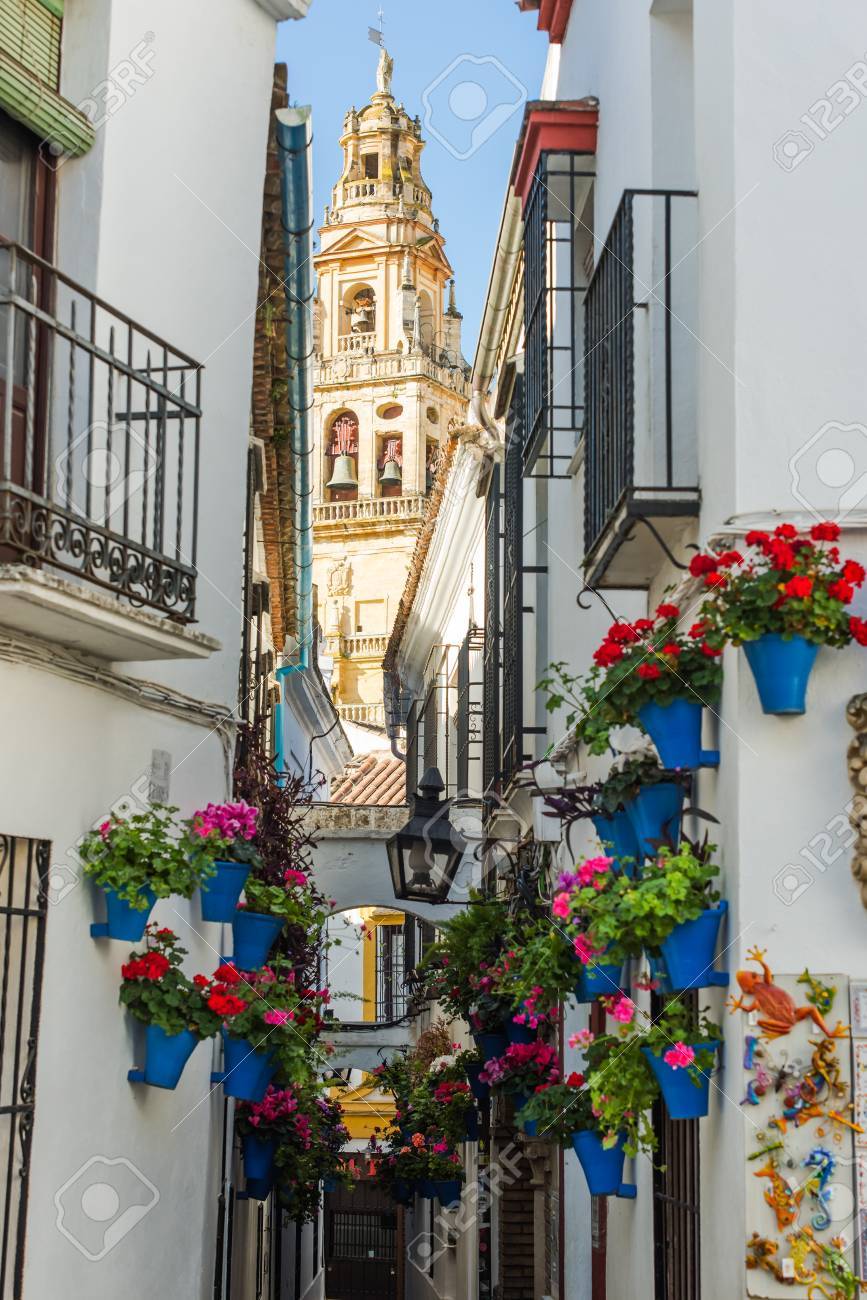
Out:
{"x": 132, "y": 158}
{"x": 670, "y": 354}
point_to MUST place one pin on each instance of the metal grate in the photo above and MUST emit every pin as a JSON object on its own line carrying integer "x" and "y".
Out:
{"x": 612, "y": 319}
{"x": 99, "y": 439}
{"x": 362, "y": 1235}
{"x": 391, "y": 992}
{"x": 491, "y": 674}
{"x": 24, "y": 866}
{"x": 554, "y": 290}
{"x": 513, "y": 587}
{"x": 470, "y": 711}
{"x": 676, "y": 1204}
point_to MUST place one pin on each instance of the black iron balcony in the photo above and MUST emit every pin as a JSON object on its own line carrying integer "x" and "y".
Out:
{"x": 99, "y": 441}
{"x": 640, "y": 461}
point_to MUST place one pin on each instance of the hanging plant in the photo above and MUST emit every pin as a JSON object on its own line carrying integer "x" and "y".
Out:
{"x": 613, "y": 917}
{"x": 648, "y": 662}
{"x": 787, "y": 597}
{"x": 622, "y": 1092}
{"x": 269, "y": 1013}
{"x": 142, "y": 857}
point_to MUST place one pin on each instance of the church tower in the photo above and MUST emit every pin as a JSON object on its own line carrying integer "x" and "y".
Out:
{"x": 389, "y": 380}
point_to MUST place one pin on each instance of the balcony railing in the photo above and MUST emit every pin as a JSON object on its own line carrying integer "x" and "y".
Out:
{"x": 371, "y": 714}
{"x": 99, "y": 440}
{"x": 640, "y": 394}
{"x": 357, "y": 344}
{"x": 363, "y": 646}
{"x": 369, "y": 508}
{"x": 359, "y": 364}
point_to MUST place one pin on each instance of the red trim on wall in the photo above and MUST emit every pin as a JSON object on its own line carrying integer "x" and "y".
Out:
{"x": 562, "y": 127}
{"x": 553, "y": 16}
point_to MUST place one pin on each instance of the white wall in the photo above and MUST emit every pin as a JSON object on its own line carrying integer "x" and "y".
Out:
{"x": 162, "y": 219}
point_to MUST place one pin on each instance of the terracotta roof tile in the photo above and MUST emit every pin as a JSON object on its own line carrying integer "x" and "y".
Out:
{"x": 375, "y": 778}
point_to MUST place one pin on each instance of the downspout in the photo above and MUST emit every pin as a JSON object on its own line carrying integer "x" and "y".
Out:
{"x": 294, "y": 140}
{"x": 497, "y": 299}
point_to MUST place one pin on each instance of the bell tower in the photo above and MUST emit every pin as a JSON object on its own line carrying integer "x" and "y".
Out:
{"x": 389, "y": 383}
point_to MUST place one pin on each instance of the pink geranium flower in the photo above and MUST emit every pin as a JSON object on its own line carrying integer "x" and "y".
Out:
{"x": 584, "y": 950}
{"x": 276, "y": 1017}
{"x": 560, "y": 906}
{"x": 623, "y": 1009}
{"x": 679, "y": 1056}
{"x": 583, "y": 1038}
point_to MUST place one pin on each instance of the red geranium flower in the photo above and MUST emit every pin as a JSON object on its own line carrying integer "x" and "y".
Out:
{"x": 649, "y": 672}
{"x": 858, "y": 628}
{"x": 787, "y": 531}
{"x": 226, "y": 1004}
{"x": 622, "y": 632}
{"x": 800, "y": 587}
{"x": 697, "y": 631}
{"x": 755, "y": 537}
{"x": 729, "y": 558}
{"x": 671, "y": 649}
{"x": 643, "y": 624}
{"x": 854, "y": 572}
{"x": 227, "y": 974}
{"x": 701, "y": 564}
{"x": 841, "y": 590}
{"x": 782, "y": 555}
{"x": 709, "y": 650}
{"x": 715, "y": 580}
{"x": 825, "y": 532}
{"x": 667, "y": 611}
{"x": 575, "y": 1080}
{"x": 608, "y": 654}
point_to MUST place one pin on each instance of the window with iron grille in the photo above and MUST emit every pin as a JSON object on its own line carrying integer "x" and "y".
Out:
{"x": 647, "y": 348}
{"x": 362, "y": 1234}
{"x": 391, "y": 992}
{"x": 513, "y": 594}
{"x": 24, "y": 868}
{"x": 469, "y": 715}
{"x": 557, "y": 238}
{"x": 676, "y": 1205}
{"x": 491, "y": 758}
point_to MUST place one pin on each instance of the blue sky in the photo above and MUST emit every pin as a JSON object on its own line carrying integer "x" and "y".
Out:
{"x": 476, "y": 59}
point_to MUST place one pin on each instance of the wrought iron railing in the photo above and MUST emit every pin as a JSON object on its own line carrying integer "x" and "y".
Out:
{"x": 470, "y": 709}
{"x": 630, "y": 349}
{"x": 24, "y": 884}
{"x": 99, "y": 440}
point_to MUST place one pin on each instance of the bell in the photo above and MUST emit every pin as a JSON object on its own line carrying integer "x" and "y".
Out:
{"x": 343, "y": 475}
{"x": 390, "y": 476}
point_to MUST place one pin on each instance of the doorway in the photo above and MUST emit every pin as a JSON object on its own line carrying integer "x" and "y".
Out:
{"x": 362, "y": 1236}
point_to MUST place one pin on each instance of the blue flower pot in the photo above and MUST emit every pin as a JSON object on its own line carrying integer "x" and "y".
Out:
{"x": 675, "y": 729}
{"x": 655, "y": 813}
{"x": 519, "y": 1101}
{"x": 520, "y": 1033}
{"x": 123, "y": 920}
{"x": 602, "y": 1168}
{"x": 258, "y": 1189}
{"x": 329, "y": 1185}
{"x": 427, "y": 1189}
{"x": 220, "y": 893}
{"x": 402, "y": 1191}
{"x": 781, "y": 667}
{"x": 448, "y": 1191}
{"x": 491, "y": 1045}
{"x": 684, "y": 1098}
{"x": 481, "y": 1091}
{"x": 247, "y": 1073}
{"x": 253, "y": 936}
{"x": 689, "y": 950}
{"x": 617, "y": 832}
{"x": 598, "y": 979}
{"x": 166, "y": 1056}
{"x": 258, "y": 1155}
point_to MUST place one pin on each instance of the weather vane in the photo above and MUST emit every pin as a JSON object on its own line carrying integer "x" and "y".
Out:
{"x": 374, "y": 34}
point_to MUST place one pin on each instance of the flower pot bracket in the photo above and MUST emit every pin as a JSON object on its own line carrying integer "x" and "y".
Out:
{"x": 709, "y": 758}
{"x": 217, "y": 1076}
{"x": 627, "y": 1191}
{"x": 99, "y": 930}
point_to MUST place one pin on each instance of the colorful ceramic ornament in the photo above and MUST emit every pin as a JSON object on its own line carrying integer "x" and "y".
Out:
{"x": 778, "y": 1011}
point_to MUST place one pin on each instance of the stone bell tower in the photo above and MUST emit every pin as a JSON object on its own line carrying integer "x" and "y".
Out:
{"x": 389, "y": 382}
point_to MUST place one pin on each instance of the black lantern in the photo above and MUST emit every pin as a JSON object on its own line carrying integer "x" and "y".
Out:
{"x": 425, "y": 854}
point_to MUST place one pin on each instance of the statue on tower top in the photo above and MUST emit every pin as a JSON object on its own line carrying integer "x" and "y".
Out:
{"x": 384, "y": 69}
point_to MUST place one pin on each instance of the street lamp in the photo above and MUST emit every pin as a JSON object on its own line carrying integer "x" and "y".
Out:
{"x": 424, "y": 854}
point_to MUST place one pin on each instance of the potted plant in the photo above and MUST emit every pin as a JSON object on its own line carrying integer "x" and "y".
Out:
{"x": 311, "y": 1153}
{"x": 782, "y": 602}
{"x": 583, "y": 897}
{"x": 471, "y": 1061}
{"x": 172, "y": 1007}
{"x": 622, "y": 1092}
{"x": 445, "y": 1172}
{"x": 521, "y": 1070}
{"x": 457, "y": 971}
{"x": 611, "y": 820}
{"x": 268, "y": 1023}
{"x": 262, "y": 1126}
{"x": 221, "y": 836}
{"x": 645, "y": 673}
{"x": 652, "y": 797}
{"x": 136, "y": 860}
{"x": 680, "y": 1046}
{"x": 267, "y": 909}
